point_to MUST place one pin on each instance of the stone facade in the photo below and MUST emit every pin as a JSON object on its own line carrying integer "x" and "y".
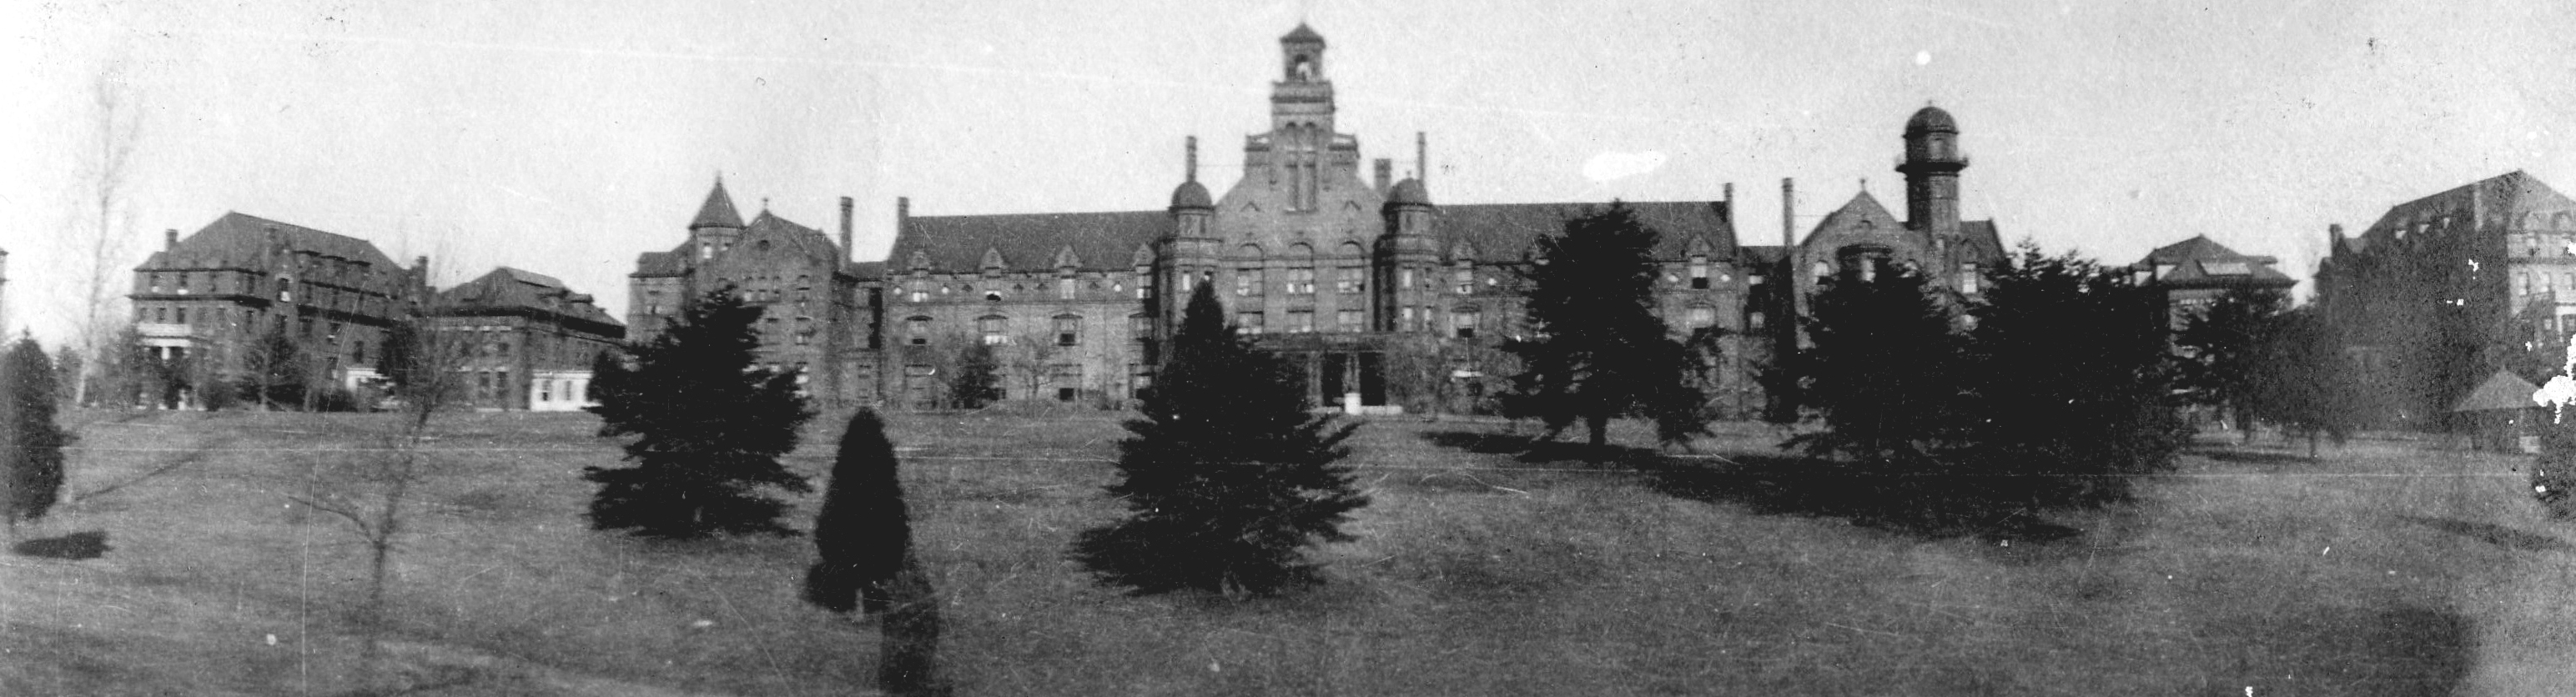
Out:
{"x": 2445, "y": 290}
{"x": 1388, "y": 300}
{"x": 813, "y": 321}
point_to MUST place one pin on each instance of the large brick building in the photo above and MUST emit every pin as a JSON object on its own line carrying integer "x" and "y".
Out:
{"x": 202, "y": 300}
{"x": 2445, "y": 290}
{"x": 523, "y": 340}
{"x": 205, "y": 301}
{"x": 1386, "y": 299}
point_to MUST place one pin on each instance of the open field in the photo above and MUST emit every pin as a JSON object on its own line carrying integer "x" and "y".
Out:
{"x": 2387, "y": 568}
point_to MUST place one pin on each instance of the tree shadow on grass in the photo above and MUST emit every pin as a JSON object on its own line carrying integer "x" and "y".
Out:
{"x": 1930, "y": 507}
{"x": 90, "y": 544}
{"x": 2493, "y": 534}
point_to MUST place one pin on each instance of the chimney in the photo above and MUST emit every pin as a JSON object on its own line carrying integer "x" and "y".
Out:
{"x": 1730, "y": 203}
{"x": 1422, "y": 159}
{"x": 1788, "y": 214}
{"x": 846, "y": 204}
{"x": 1385, "y": 169}
{"x": 902, "y": 210}
{"x": 1190, "y": 144}
{"x": 170, "y": 239}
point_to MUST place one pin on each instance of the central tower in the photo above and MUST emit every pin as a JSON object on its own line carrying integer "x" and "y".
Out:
{"x": 1301, "y": 116}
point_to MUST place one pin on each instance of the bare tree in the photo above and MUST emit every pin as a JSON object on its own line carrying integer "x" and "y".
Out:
{"x": 1030, "y": 360}
{"x": 104, "y": 242}
{"x": 372, "y": 494}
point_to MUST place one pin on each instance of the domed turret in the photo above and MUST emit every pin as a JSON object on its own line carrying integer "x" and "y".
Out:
{"x": 1190, "y": 194}
{"x": 1408, "y": 193}
{"x": 1931, "y": 119}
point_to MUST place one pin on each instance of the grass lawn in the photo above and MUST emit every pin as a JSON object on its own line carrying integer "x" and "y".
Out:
{"x": 2389, "y": 567}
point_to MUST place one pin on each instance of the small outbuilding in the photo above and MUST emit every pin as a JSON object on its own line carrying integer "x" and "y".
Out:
{"x": 2500, "y": 414}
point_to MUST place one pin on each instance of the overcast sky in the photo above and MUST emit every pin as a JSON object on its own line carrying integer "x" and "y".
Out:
{"x": 565, "y": 141}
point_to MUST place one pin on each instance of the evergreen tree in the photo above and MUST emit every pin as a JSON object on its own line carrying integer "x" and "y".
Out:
{"x": 2227, "y": 345}
{"x": 2312, "y": 392}
{"x": 1881, "y": 373}
{"x": 978, "y": 378}
{"x": 709, "y": 428}
{"x": 2072, "y": 381}
{"x": 1227, "y": 477}
{"x": 1601, "y": 350}
{"x": 275, "y": 370}
{"x": 31, "y": 445}
{"x": 864, "y": 531}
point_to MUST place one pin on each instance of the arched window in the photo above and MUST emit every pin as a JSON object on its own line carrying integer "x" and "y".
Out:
{"x": 1701, "y": 316}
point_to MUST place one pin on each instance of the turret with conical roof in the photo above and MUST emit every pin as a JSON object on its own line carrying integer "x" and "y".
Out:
{"x": 717, "y": 224}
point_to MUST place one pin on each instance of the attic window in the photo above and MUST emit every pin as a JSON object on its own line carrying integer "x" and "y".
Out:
{"x": 761, "y": 246}
{"x": 2226, "y": 268}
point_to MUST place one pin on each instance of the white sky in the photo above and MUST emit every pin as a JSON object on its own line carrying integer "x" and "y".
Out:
{"x": 565, "y": 141}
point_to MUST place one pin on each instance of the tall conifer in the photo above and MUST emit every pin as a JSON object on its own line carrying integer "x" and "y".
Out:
{"x": 1228, "y": 477}
{"x": 709, "y": 427}
{"x": 1600, "y": 350}
{"x": 864, "y": 529}
{"x": 31, "y": 445}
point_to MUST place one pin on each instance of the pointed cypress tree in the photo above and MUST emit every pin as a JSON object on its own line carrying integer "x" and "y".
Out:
{"x": 864, "y": 530}
{"x": 709, "y": 427}
{"x": 1228, "y": 477}
{"x": 1602, "y": 352}
{"x": 31, "y": 445}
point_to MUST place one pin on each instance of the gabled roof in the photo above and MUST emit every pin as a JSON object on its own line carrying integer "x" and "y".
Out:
{"x": 1862, "y": 214}
{"x": 239, "y": 241}
{"x": 507, "y": 289}
{"x": 2503, "y": 390}
{"x": 1502, "y": 231}
{"x": 1982, "y": 240}
{"x": 956, "y": 243}
{"x": 868, "y": 270}
{"x": 806, "y": 240}
{"x": 718, "y": 211}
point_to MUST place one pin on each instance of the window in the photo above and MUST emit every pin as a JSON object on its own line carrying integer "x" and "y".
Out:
{"x": 1702, "y": 316}
{"x": 917, "y": 330}
{"x": 993, "y": 327}
{"x": 1968, "y": 279}
{"x": 285, "y": 290}
{"x": 545, "y": 391}
{"x": 1301, "y": 280}
{"x": 1462, "y": 322}
{"x": 1699, "y": 273}
{"x": 1464, "y": 278}
{"x": 1140, "y": 326}
{"x": 1068, "y": 330}
{"x": 1301, "y": 321}
{"x": 1350, "y": 321}
{"x": 1753, "y": 320}
{"x": 1350, "y": 279}
{"x": 1067, "y": 378}
{"x": 919, "y": 291}
{"x": 1247, "y": 281}
{"x": 1064, "y": 289}
{"x": 1249, "y": 322}
{"x": 1144, "y": 284}
{"x": 1404, "y": 277}
{"x": 1405, "y": 320}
